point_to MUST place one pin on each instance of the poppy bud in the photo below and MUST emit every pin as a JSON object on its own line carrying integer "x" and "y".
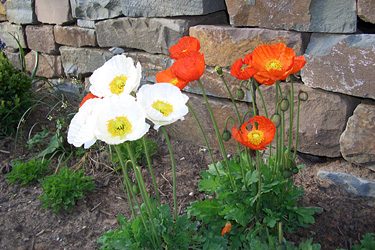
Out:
{"x": 240, "y": 94}
{"x": 226, "y": 135}
{"x": 295, "y": 170}
{"x": 287, "y": 173}
{"x": 135, "y": 189}
{"x": 284, "y": 105}
{"x": 276, "y": 119}
{"x": 219, "y": 70}
{"x": 303, "y": 96}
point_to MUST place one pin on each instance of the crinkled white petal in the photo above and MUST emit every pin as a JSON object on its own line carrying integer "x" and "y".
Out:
{"x": 116, "y": 66}
{"x": 81, "y": 128}
{"x": 165, "y": 92}
{"x": 118, "y": 106}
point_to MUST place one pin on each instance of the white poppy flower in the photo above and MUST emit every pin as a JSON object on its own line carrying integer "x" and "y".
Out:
{"x": 81, "y": 128}
{"x": 164, "y": 103}
{"x": 116, "y": 77}
{"x": 120, "y": 119}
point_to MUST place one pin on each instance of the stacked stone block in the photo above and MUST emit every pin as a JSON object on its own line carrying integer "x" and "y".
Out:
{"x": 73, "y": 38}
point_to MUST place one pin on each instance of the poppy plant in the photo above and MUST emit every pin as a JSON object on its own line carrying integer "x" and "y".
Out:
{"x": 185, "y": 45}
{"x": 275, "y": 62}
{"x": 259, "y": 136}
{"x": 169, "y": 77}
{"x": 189, "y": 68}
{"x": 242, "y": 69}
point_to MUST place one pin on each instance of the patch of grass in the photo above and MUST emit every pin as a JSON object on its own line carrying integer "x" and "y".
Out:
{"x": 63, "y": 189}
{"x": 25, "y": 173}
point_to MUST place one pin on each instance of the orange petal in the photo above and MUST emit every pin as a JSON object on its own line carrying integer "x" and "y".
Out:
{"x": 189, "y": 68}
{"x": 168, "y": 76}
{"x": 88, "y": 97}
{"x": 185, "y": 44}
{"x": 299, "y": 62}
{"x": 226, "y": 229}
{"x": 242, "y": 69}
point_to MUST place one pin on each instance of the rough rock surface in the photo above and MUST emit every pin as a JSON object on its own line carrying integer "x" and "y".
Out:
{"x": 79, "y": 62}
{"x": 341, "y": 63}
{"x": 14, "y": 58}
{"x": 365, "y": 10}
{"x": 223, "y": 45}
{"x": 95, "y": 9}
{"x": 49, "y": 66}
{"x": 20, "y": 11}
{"x": 350, "y": 183}
{"x": 40, "y": 38}
{"x": 323, "y": 117}
{"x": 53, "y": 11}
{"x": 154, "y": 35}
{"x": 151, "y": 8}
{"x": 74, "y": 36}
{"x": 86, "y": 23}
{"x": 357, "y": 143}
{"x": 14, "y": 29}
{"x": 331, "y": 16}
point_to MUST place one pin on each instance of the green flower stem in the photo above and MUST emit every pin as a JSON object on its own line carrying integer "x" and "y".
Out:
{"x": 291, "y": 111}
{"x": 173, "y": 170}
{"x": 295, "y": 148}
{"x": 253, "y": 99}
{"x": 232, "y": 99}
{"x": 221, "y": 144}
{"x": 261, "y": 97}
{"x": 204, "y": 138}
{"x": 280, "y": 229}
{"x": 259, "y": 166}
{"x": 142, "y": 190}
{"x": 149, "y": 163}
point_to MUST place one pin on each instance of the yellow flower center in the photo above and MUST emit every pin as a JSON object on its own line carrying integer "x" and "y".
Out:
{"x": 174, "y": 81}
{"x": 119, "y": 126}
{"x": 274, "y": 64}
{"x": 184, "y": 50}
{"x": 255, "y": 137}
{"x": 163, "y": 107}
{"x": 117, "y": 84}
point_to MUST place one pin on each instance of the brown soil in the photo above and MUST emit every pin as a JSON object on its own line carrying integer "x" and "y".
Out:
{"x": 24, "y": 225}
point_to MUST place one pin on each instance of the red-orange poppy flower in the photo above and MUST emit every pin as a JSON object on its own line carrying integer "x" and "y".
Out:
{"x": 275, "y": 62}
{"x": 88, "y": 97}
{"x": 242, "y": 69}
{"x": 184, "y": 46}
{"x": 226, "y": 229}
{"x": 168, "y": 76}
{"x": 259, "y": 136}
{"x": 189, "y": 68}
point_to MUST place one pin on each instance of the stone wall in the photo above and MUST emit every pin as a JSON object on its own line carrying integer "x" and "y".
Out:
{"x": 75, "y": 37}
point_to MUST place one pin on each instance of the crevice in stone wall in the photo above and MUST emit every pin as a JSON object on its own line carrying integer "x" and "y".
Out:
{"x": 365, "y": 27}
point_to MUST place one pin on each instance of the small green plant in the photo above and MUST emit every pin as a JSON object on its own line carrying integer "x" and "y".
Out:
{"x": 63, "y": 189}
{"x": 138, "y": 149}
{"x": 174, "y": 233}
{"x": 367, "y": 243}
{"x": 25, "y": 173}
{"x": 15, "y": 96}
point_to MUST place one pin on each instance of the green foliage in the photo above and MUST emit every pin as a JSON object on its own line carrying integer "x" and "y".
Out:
{"x": 251, "y": 214}
{"x": 179, "y": 233}
{"x": 137, "y": 148}
{"x": 367, "y": 243}
{"x": 15, "y": 96}
{"x": 61, "y": 190}
{"x": 24, "y": 173}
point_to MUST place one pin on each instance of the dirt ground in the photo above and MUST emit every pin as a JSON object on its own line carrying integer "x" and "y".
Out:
{"x": 25, "y": 226}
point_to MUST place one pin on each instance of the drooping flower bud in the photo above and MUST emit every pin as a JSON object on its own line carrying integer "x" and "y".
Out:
{"x": 276, "y": 119}
{"x": 219, "y": 70}
{"x": 284, "y": 105}
{"x": 226, "y": 135}
{"x": 240, "y": 94}
{"x": 303, "y": 96}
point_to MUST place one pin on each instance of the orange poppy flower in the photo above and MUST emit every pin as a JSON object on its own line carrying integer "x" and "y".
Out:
{"x": 88, "y": 97}
{"x": 242, "y": 69}
{"x": 275, "y": 62}
{"x": 184, "y": 46}
{"x": 168, "y": 76}
{"x": 189, "y": 68}
{"x": 258, "y": 137}
{"x": 226, "y": 229}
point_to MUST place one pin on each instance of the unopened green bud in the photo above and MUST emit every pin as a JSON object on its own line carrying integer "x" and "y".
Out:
{"x": 226, "y": 135}
{"x": 240, "y": 94}
{"x": 303, "y": 96}
{"x": 276, "y": 119}
{"x": 295, "y": 170}
{"x": 219, "y": 70}
{"x": 287, "y": 173}
{"x": 284, "y": 105}
{"x": 135, "y": 189}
